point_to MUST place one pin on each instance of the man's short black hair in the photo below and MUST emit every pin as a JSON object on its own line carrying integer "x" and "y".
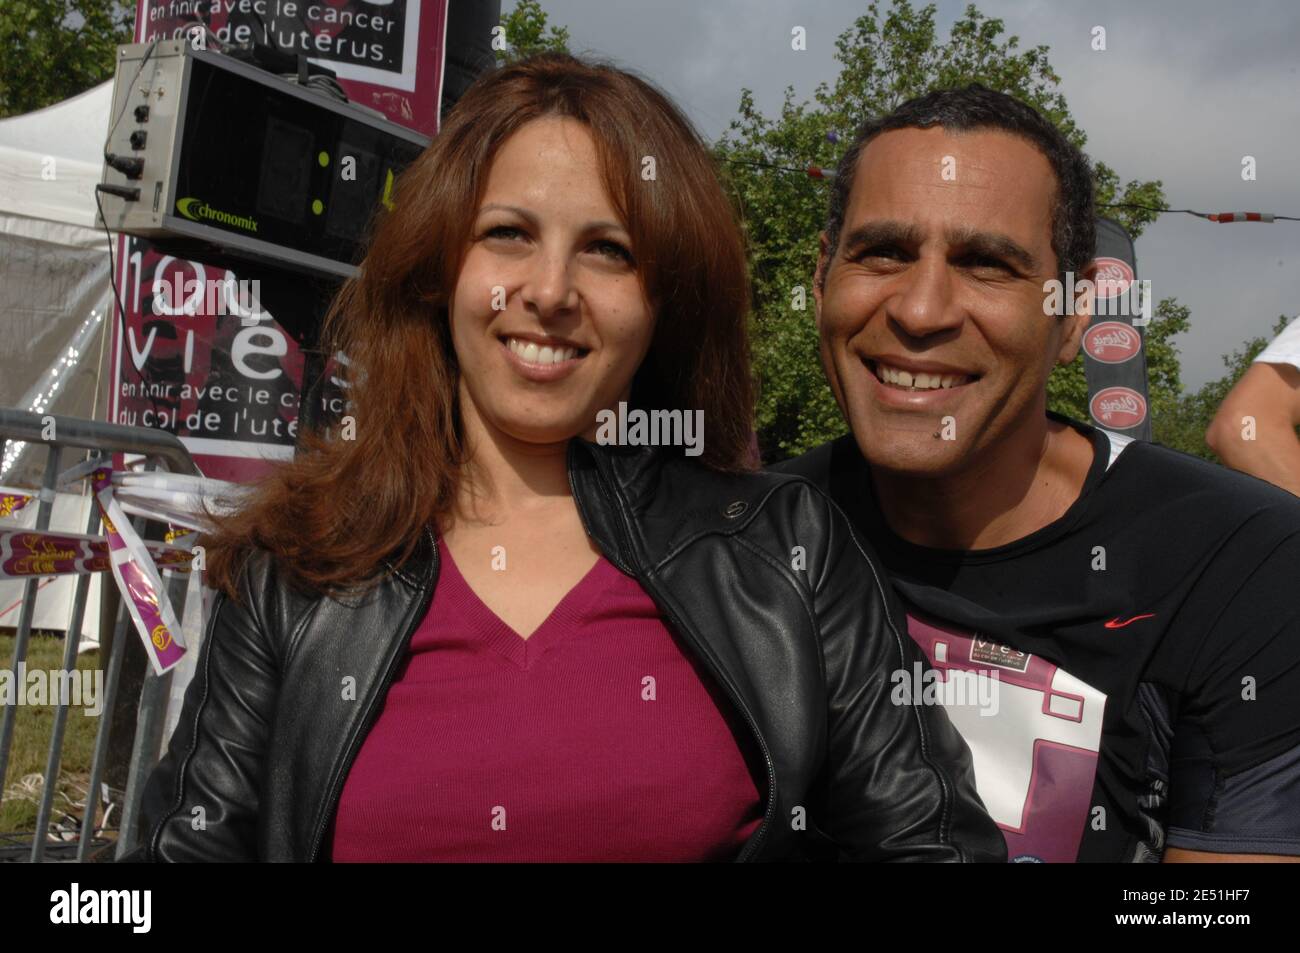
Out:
{"x": 973, "y": 107}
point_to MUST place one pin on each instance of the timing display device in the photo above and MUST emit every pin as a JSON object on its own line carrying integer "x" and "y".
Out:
{"x": 206, "y": 148}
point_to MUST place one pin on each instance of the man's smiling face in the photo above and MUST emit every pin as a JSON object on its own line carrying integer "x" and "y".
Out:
{"x": 931, "y": 315}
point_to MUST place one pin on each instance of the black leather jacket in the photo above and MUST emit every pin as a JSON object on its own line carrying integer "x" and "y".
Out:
{"x": 803, "y": 647}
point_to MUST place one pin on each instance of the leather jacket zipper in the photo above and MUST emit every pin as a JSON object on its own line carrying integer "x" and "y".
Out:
{"x": 723, "y": 679}
{"x": 336, "y": 782}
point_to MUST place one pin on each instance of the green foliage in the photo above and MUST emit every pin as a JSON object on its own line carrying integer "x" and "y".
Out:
{"x": 886, "y": 57}
{"x": 526, "y": 33}
{"x": 59, "y": 48}
{"x": 54, "y": 49}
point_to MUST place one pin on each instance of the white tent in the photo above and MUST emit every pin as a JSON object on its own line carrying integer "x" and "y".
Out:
{"x": 54, "y": 305}
{"x": 50, "y": 161}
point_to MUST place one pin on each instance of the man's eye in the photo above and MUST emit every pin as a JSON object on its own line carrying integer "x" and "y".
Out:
{"x": 890, "y": 252}
{"x": 985, "y": 261}
{"x": 612, "y": 249}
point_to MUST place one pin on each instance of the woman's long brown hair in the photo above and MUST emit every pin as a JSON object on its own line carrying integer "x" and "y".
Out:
{"x": 341, "y": 506}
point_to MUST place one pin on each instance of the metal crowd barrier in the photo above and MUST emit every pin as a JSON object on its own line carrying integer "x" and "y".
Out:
{"x": 161, "y": 450}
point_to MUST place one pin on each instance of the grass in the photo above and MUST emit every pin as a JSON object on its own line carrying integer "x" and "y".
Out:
{"x": 33, "y": 727}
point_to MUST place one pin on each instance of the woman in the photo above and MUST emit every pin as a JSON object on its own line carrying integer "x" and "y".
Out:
{"x": 467, "y": 626}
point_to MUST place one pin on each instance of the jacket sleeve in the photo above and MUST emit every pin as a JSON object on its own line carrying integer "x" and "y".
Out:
{"x": 201, "y": 801}
{"x": 902, "y": 785}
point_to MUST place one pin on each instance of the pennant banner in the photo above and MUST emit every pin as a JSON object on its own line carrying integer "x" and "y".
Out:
{"x": 142, "y": 588}
{"x": 176, "y": 499}
{"x": 29, "y": 552}
{"x": 11, "y": 501}
{"x": 26, "y": 553}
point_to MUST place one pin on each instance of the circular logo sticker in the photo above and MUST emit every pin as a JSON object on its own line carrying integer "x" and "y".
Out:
{"x": 1118, "y": 408}
{"x": 1113, "y": 277}
{"x": 1111, "y": 342}
{"x": 160, "y": 637}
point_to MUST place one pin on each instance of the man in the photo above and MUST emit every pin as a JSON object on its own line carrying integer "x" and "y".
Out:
{"x": 1255, "y": 428}
{"x": 1131, "y": 610}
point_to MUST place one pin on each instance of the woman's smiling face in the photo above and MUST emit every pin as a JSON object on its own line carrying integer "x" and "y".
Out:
{"x": 549, "y": 319}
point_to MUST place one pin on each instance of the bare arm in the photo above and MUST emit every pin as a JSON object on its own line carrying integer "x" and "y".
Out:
{"x": 1176, "y": 855}
{"x": 1270, "y": 394}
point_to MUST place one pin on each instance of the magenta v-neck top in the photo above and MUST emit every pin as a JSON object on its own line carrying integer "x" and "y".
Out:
{"x": 598, "y": 738}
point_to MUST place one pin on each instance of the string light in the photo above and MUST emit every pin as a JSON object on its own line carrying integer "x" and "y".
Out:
{"x": 43, "y": 394}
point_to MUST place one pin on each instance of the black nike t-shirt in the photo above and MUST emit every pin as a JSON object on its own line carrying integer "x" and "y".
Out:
{"x": 1127, "y": 677}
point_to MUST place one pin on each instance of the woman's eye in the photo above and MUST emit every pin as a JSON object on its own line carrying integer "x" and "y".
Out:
{"x": 612, "y": 250}
{"x": 503, "y": 231}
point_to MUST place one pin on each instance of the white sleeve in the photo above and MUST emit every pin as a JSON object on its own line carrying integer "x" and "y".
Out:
{"x": 1285, "y": 348}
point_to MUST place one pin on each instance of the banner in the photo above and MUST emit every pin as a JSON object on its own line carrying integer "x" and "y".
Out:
{"x": 41, "y": 553}
{"x": 190, "y": 358}
{"x": 212, "y": 349}
{"x": 1115, "y": 361}
{"x": 387, "y": 54}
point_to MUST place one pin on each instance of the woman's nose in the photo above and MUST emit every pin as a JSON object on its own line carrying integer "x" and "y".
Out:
{"x": 548, "y": 285}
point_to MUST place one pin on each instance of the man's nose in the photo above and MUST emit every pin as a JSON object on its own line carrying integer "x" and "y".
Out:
{"x": 924, "y": 304}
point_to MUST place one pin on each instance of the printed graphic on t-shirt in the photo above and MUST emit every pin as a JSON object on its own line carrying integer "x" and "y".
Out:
{"x": 1034, "y": 732}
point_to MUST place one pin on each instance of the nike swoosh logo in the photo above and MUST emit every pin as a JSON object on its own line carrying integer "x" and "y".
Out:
{"x": 1115, "y": 623}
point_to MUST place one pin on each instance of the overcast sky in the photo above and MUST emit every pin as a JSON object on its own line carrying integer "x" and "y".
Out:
{"x": 1182, "y": 92}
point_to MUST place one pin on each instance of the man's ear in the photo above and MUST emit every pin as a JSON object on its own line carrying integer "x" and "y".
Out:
{"x": 1085, "y": 296}
{"x": 819, "y": 276}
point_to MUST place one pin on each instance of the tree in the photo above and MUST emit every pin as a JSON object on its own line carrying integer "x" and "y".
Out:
{"x": 526, "y": 32}
{"x": 886, "y": 58}
{"x": 54, "y": 49}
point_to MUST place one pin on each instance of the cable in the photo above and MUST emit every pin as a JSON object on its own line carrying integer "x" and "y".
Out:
{"x": 325, "y": 85}
{"x": 807, "y": 170}
{"x": 121, "y": 306}
{"x": 1222, "y": 218}
{"x": 206, "y": 29}
{"x": 126, "y": 98}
